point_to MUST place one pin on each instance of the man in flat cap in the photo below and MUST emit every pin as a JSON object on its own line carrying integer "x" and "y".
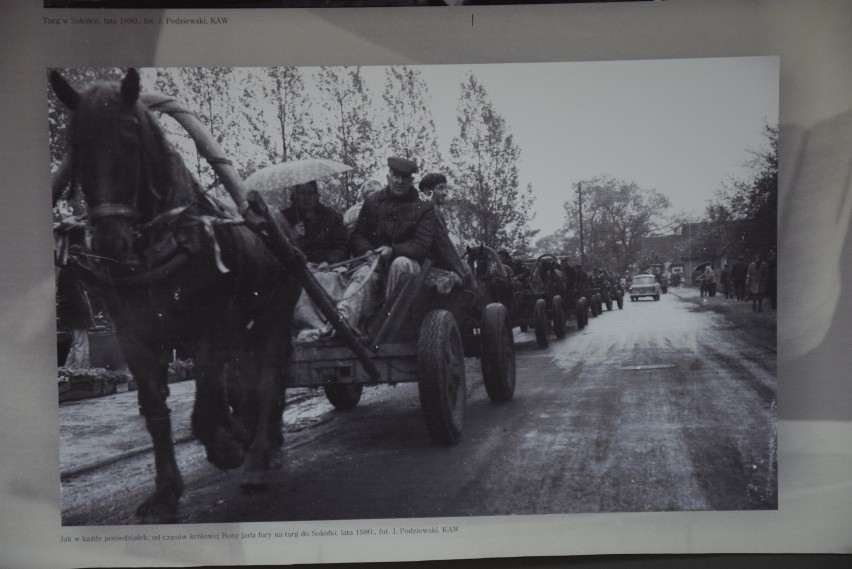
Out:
{"x": 397, "y": 225}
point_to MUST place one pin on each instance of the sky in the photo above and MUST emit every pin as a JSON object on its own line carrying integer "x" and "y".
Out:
{"x": 682, "y": 127}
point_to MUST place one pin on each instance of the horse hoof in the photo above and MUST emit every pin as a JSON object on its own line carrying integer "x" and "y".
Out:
{"x": 254, "y": 482}
{"x": 275, "y": 459}
{"x": 224, "y": 452}
{"x": 158, "y": 509}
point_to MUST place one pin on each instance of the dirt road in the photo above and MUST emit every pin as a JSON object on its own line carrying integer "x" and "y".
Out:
{"x": 666, "y": 405}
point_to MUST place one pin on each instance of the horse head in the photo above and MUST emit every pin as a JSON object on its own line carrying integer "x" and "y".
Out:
{"x": 114, "y": 140}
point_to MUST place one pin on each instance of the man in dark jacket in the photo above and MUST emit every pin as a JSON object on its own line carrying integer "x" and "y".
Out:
{"x": 444, "y": 254}
{"x": 738, "y": 278}
{"x": 322, "y": 235}
{"x": 399, "y": 227}
{"x": 395, "y": 223}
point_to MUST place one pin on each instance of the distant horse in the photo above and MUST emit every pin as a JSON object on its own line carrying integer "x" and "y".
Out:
{"x": 547, "y": 276}
{"x": 493, "y": 281}
{"x": 173, "y": 275}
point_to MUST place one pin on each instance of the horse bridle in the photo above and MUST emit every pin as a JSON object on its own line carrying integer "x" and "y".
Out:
{"x": 112, "y": 210}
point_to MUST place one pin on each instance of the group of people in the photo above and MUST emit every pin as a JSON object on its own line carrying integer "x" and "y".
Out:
{"x": 754, "y": 282}
{"x": 361, "y": 255}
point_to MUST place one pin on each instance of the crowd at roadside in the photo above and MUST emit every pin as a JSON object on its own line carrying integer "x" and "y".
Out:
{"x": 751, "y": 282}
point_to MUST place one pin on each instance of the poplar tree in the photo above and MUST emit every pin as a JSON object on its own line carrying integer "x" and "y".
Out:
{"x": 208, "y": 93}
{"x": 348, "y": 132}
{"x": 408, "y": 126}
{"x": 276, "y": 112}
{"x": 488, "y": 205}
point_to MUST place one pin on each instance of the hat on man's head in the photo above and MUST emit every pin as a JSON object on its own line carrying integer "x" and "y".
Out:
{"x": 429, "y": 181}
{"x": 402, "y": 165}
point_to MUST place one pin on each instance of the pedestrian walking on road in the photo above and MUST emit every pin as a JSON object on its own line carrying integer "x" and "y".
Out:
{"x": 738, "y": 278}
{"x": 772, "y": 281}
{"x": 727, "y": 283}
{"x": 757, "y": 278}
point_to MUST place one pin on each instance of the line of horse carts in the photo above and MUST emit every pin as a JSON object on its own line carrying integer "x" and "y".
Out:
{"x": 179, "y": 269}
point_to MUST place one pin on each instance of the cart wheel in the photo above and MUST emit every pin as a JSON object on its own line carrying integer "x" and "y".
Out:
{"x": 440, "y": 361}
{"x": 498, "y": 353}
{"x": 582, "y": 314}
{"x": 620, "y": 301}
{"x": 344, "y": 396}
{"x": 558, "y": 317}
{"x": 540, "y": 322}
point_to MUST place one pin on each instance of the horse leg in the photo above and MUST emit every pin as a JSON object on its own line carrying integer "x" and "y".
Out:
{"x": 211, "y": 419}
{"x": 149, "y": 368}
{"x": 265, "y": 451}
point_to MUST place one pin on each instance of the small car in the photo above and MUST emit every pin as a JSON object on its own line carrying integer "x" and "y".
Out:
{"x": 645, "y": 285}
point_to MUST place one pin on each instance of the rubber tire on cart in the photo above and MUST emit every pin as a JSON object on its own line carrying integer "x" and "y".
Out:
{"x": 620, "y": 301}
{"x": 558, "y": 317}
{"x": 344, "y": 396}
{"x": 540, "y": 322}
{"x": 582, "y": 313}
{"x": 441, "y": 382}
{"x": 498, "y": 353}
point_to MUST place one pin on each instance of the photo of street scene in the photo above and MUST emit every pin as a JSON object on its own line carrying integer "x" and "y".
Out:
{"x": 342, "y": 293}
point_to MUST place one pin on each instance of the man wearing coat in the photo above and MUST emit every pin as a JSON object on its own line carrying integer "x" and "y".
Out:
{"x": 399, "y": 227}
{"x": 443, "y": 251}
{"x": 321, "y": 234}
{"x": 395, "y": 223}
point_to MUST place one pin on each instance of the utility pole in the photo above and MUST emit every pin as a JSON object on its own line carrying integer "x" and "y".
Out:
{"x": 580, "y": 202}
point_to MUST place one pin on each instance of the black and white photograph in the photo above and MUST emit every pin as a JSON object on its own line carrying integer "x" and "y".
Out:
{"x": 426, "y": 291}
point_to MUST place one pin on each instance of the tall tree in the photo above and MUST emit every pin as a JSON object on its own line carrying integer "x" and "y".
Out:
{"x": 408, "y": 126}
{"x": 745, "y": 210}
{"x": 209, "y": 93}
{"x": 348, "y": 129}
{"x": 616, "y": 216}
{"x": 276, "y": 112}
{"x": 490, "y": 207}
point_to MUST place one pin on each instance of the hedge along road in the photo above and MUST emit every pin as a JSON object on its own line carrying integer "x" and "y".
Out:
{"x": 666, "y": 405}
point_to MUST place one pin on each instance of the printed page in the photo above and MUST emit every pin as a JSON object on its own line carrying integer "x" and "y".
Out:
{"x": 595, "y": 416}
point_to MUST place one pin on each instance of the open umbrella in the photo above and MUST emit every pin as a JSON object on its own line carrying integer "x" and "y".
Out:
{"x": 288, "y": 174}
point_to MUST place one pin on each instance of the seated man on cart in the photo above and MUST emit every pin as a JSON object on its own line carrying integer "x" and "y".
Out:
{"x": 399, "y": 227}
{"x": 320, "y": 231}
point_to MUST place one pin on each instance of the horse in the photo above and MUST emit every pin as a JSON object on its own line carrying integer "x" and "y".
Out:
{"x": 175, "y": 273}
{"x": 547, "y": 276}
{"x": 493, "y": 279}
